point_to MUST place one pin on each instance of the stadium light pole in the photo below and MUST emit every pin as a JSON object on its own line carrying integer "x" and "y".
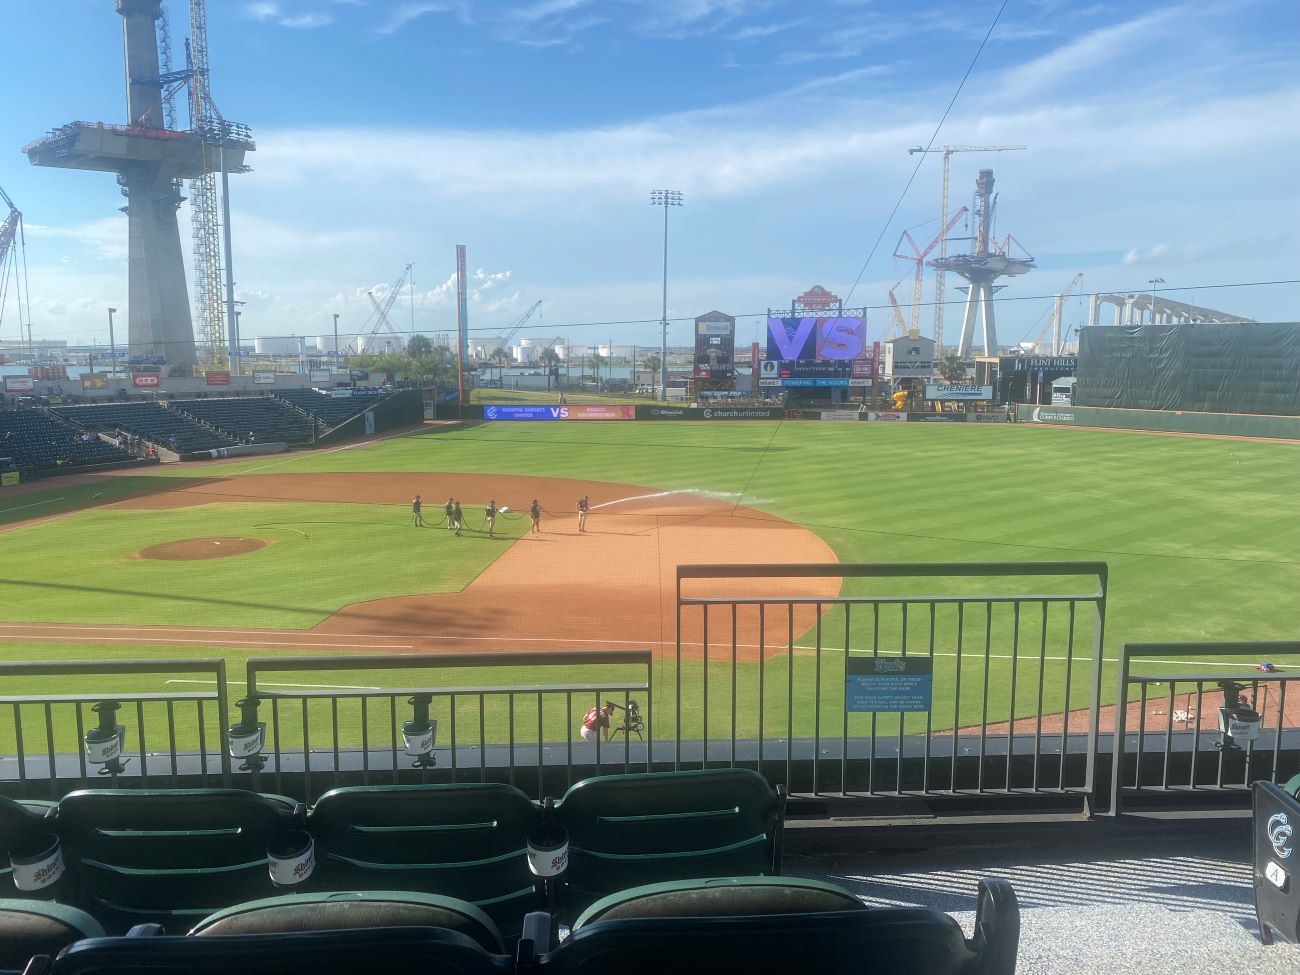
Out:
{"x": 336, "y": 341}
{"x": 665, "y": 199}
{"x": 112, "y": 345}
{"x": 1153, "y": 282}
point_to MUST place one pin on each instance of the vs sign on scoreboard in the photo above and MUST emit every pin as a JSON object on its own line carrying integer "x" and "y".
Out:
{"x": 795, "y": 338}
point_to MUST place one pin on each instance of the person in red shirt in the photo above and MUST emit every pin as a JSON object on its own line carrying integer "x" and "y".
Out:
{"x": 595, "y": 719}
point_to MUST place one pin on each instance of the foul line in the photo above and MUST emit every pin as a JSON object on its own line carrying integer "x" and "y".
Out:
{"x": 21, "y": 638}
{"x": 34, "y": 504}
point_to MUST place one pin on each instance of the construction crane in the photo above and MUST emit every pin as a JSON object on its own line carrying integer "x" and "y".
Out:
{"x": 11, "y": 230}
{"x": 918, "y": 257}
{"x": 947, "y": 152}
{"x": 381, "y": 311}
{"x": 518, "y": 324}
{"x": 896, "y": 313}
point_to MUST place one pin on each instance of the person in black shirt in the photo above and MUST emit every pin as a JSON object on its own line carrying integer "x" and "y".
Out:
{"x": 490, "y": 518}
{"x": 536, "y": 512}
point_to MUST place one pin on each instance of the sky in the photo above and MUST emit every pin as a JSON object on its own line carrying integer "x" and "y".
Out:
{"x": 1161, "y": 139}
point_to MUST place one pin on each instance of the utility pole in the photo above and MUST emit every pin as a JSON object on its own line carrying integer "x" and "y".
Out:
{"x": 1151, "y": 318}
{"x": 336, "y": 341}
{"x": 947, "y": 152}
{"x": 112, "y": 344}
{"x": 665, "y": 199}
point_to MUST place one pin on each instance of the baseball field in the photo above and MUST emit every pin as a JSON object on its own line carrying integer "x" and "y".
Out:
{"x": 317, "y": 553}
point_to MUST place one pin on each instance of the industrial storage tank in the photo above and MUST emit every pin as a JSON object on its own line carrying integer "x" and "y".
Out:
{"x": 379, "y": 344}
{"x": 278, "y": 345}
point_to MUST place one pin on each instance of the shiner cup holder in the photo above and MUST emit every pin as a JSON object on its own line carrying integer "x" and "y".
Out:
{"x": 548, "y": 857}
{"x": 291, "y": 858}
{"x": 37, "y": 863}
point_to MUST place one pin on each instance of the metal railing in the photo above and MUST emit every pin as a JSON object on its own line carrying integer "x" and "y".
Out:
{"x": 515, "y": 723}
{"x": 1014, "y": 676}
{"x": 1178, "y": 745}
{"x": 167, "y": 736}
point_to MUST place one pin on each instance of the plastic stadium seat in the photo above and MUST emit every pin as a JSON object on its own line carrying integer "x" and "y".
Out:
{"x": 629, "y": 830}
{"x": 465, "y": 841}
{"x": 383, "y": 951}
{"x": 860, "y": 941}
{"x": 29, "y": 928}
{"x": 351, "y": 910}
{"x": 170, "y": 856}
{"x": 721, "y": 897}
{"x": 19, "y": 820}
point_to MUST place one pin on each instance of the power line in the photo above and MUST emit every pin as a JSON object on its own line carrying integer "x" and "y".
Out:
{"x": 551, "y": 326}
{"x": 921, "y": 156}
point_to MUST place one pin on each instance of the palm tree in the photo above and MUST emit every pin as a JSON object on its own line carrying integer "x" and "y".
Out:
{"x": 951, "y": 368}
{"x": 551, "y": 360}
{"x": 651, "y": 364}
{"x": 596, "y": 361}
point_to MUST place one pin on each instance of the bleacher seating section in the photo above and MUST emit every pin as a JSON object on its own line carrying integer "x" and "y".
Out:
{"x": 186, "y": 871}
{"x": 34, "y": 438}
{"x": 268, "y": 419}
{"x": 329, "y": 410}
{"x": 154, "y": 423}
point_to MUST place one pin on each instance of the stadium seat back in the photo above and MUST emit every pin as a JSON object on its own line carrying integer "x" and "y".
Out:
{"x": 629, "y": 830}
{"x": 390, "y": 951}
{"x": 722, "y": 897}
{"x": 17, "y": 821}
{"x": 169, "y": 856}
{"x": 353, "y": 910}
{"x": 466, "y": 841}
{"x": 29, "y": 928}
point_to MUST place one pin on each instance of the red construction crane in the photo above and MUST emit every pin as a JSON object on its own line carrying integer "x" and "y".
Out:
{"x": 11, "y": 230}
{"x": 381, "y": 311}
{"x": 918, "y": 257}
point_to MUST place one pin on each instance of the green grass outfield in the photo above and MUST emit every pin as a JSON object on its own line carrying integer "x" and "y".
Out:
{"x": 1201, "y": 535}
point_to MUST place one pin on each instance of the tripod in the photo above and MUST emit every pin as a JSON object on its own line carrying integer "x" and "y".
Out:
{"x": 632, "y": 720}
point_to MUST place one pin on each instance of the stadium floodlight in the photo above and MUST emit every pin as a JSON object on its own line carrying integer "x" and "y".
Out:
{"x": 247, "y": 739}
{"x": 665, "y": 199}
{"x": 419, "y": 734}
{"x": 1153, "y": 282}
{"x": 1238, "y": 720}
{"x": 103, "y": 744}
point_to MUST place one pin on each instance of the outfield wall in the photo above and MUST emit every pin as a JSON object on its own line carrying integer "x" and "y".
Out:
{"x": 658, "y": 412}
{"x": 402, "y": 409}
{"x": 1172, "y": 421}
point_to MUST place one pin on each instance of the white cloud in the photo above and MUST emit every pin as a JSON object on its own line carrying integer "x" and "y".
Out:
{"x": 265, "y": 11}
{"x": 305, "y": 21}
{"x": 756, "y": 31}
{"x": 407, "y": 13}
{"x": 261, "y": 11}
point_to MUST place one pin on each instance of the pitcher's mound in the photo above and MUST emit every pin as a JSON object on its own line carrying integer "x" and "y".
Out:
{"x": 200, "y": 548}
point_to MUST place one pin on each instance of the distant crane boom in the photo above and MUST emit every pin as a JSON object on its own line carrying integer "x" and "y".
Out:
{"x": 381, "y": 311}
{"x": 918, "y": 257}
{"x": 10, "y": 230}
{"x": 939, "y": 293}
{"x": 518, "y": 324}
{"x": 1054, "y": 322}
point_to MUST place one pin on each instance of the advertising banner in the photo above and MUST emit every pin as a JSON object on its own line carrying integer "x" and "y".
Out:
{"x": 789, "y": 374}
{"x": 1051, "y": 414}
{"x": 521, "y": 412}
{"x": 217, "y": 377}
{"x": 10, "y": 479}
{"x": 19, "y": 384}
{"x": 936, "y": 417}
{"x": 743, "y": 413}
{"x": 715, "y": 346}
{"x": 840, "y": 416}
{"x": 669, "y": 413}
{"x": 318, "y": 376}
{"x": 888, "y": 684}
{"x": 864, "y": 370}
{"x": 146, "y": 380}
{"x": 597, "y": 412}
{"x": 952, "y": 392}
{"x": 885, "y": 417}
{"x": 263, "y": 379}
{"x": 94, "y": 380}
{"x": 987, "y": 418}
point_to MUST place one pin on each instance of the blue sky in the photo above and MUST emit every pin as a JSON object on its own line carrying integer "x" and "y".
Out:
{"x": 1162, "y": 143}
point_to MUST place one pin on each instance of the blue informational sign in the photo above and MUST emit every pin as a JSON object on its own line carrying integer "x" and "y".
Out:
{"x": 522, "y": 413}
{"x": 876, "y": 684}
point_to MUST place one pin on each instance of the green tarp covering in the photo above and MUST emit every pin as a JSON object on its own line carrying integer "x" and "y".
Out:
{"x": 1207, "y": 368}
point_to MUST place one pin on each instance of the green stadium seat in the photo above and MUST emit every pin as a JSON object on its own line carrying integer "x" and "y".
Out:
{"x": 389, "y": 951}
{"x": 804, "y": 937}
{"x": 29, "y": 928}
{"x": 169, "y": 856}
{"x": 353, "y": 910}
{"x": 462, "y": 840}
{"x": 629, "y": 830}
{"x": 722, "y": 897}
{"x": 19, "y": 820}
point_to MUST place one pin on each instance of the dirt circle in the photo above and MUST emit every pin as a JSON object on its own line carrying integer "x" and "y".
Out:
{"x": 193, "y": 549}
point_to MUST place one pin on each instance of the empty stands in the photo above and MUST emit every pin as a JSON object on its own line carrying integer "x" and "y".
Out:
{"x": 330, "y": 410}
{"x": 36, "y": 439}
{"x": 156, "y": 424}
{"x": 265, "y": 417}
